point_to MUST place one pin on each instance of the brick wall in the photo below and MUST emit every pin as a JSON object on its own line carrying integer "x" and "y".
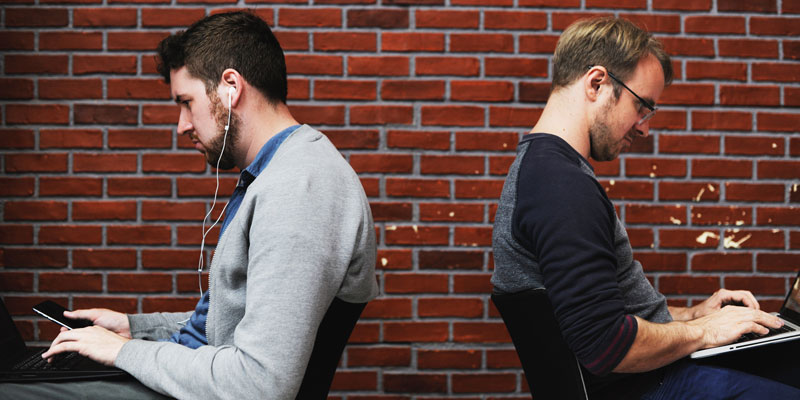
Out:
{"x": 101, "y": 203}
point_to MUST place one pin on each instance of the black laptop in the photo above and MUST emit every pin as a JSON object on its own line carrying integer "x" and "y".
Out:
{"x": 20, "y": 363}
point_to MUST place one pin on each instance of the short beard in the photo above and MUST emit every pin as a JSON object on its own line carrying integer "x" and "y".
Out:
{"x": 217, "y": 155}
{"x": 601, "y": 144}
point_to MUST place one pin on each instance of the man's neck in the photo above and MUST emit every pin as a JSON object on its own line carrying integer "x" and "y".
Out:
{"x": 566, "y": 118}
{"x": 258, "y": 127}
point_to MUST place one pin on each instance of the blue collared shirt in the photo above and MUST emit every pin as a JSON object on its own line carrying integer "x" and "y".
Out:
{"x": 193, "y": 334}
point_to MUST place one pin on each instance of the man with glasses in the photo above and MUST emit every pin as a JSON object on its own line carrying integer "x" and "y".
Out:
{"x": 556, "y": 229}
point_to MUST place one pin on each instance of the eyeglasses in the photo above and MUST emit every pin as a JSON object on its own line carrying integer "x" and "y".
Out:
{"x": 641, "y": 100}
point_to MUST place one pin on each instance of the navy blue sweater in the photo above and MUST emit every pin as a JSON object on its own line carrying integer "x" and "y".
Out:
{"x": 555, "y": 228}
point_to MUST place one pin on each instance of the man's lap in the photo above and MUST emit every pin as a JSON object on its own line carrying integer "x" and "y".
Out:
{"x": 95, "y": 389}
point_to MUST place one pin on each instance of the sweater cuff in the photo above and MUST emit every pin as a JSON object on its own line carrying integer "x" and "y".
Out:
{"x": 604, "y": 361}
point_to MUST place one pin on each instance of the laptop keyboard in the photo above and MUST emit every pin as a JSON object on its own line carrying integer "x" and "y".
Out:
{"x": 60, "y": 362}
{"x": 772, "y": 332}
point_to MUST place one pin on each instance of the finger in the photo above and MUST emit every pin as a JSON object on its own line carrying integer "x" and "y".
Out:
{"x": 89, "y": 314}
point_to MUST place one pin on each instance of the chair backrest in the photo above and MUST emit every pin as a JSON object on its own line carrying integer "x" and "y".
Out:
{"x": 550, "y": 366}
{"x": 332, "y": 335}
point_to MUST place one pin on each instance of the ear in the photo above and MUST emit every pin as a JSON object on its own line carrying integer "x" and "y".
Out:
{"x": 231, "y": 79}
{"x": 593, "y": 81}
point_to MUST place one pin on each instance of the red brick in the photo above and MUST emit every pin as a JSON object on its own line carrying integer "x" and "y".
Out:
{"x": 104, "y": 17}
{"x": 70, "y": 282}
{"x": 750, "y": 48}
{"x": 346, "y": 41}
{"x": 628, "y": 190}
{"x": 679, "y": 46}
{"x": 685, "y": 238}
{"x": 722, "y": 121}
{"x": 20, "y": 89}
{"x": 141, "y": 235}
{"x": 36, "y": 162}
{"x": 488, "y": 141}
{"x": 688, "y": 94}
{"x": 139, "y": 186}
{"x": 775, "y": 122}
{"x": 173, "y": 163}
{"x": 319, "y": 17}
{"x": 722, "y": 262}
{"x": 381, "y": 115}
{"x": 390, "y": 308}
{"x": 767, "y": 216}
{"x": 16, "y": 40}
{"x": 355, "y": 380}
{"x": 501, "y": 165}
{"x": 417, "y": 235}
{"x": 154, "y": 89}
{"x": 458, "y": 66}
{"x": 352, "y": 138}
{"x": 415, "y": 283}
{"x": 776, "y": 72}
{"x": 763, "y": 6}
{"x": 531, "y": 68}
{"x": 64, "y": 186}
{"x": 173, "y": 211}
{"x": 418, "y": 42}
{"x": 485, "y": 382}
{"x": 314, "y": 64}
{"x": 379, "y": 357}
{"x": 750, "y": 145}
{"x": 448, "y": 359}
{"x": 742, "y": 95}
{"x": 561, "y": 20}
{"x": 166, "y": 17}
{"x": 377, "y": 18}
{"x": 692, "y": 144}
{"x": 393, "y": 259}
{"x": 755, "y": 192}
{"x": 39, "y": 17}
{"x": 16, "y": 281}
{"x": 11, "y": 187}
{"x": 778, "y": 169}
{"x": 16, "y": 234}
{"x": 170, "y": 259}
{"x": 318, "y": 115}
{"x": 146, "y": 41}
{"x": 777, "y": 262}
{"x": 688, "y": 284}
{"x": 414, "y": 383}
{"x": 104, "y": 210}
{"x": 35, "y": 211}
{"x": 450, "y": 212}
{"x": 477, "y": 42}
{"x": 478, "y": 236}
{"x": 380, "y": 66}
{"x": 140, "y": 283}
{"x": 716, "y": 70}
{"x": 447, "y": 19}
{"x": 480, "y": 332}
{"x": 168, "y": 304}
{"x": 513, "y": 116}
{"x": 35, "y": 64}
{"x": 412, "y": 90}
{"x": 34, "y": 258}
{"x": 105, "y": 259}
{"x": 414, "y": 332}
{"x": 391, "y": 211}
{"x": 384, "y": 163}
{"x": 481, "y": 91}
{"x": 775, "y": 26}
{"x": 502, "y": 359}
{"x": 655, "y": 214}
{"x": 71, "y": 138}
{"x": 538, "y": 44}
{"x": 791, "y": 50}
{"x": 721, "y": 168}
{"x": 516, "y": 20}
{"x": 655, "y": 167}
{"x": 70, "y": 41}
{"x": 450, "y": 307}
{"x": 729, "y": 215}
{"x": 714, "y": 24}
{"x": 478, "y": 189}
{"x": 104, "y": 162}
{"x": 656, "y": 23}
{"x": 344, "y": 90}
{"x": 453, "y": 115}
{"x": 37, "y": 114}
{"x": 105, "y": 114}
{"x": 430, "y": 140}
{"x": 445, "y": 164}
{"x": 753, "y": 239}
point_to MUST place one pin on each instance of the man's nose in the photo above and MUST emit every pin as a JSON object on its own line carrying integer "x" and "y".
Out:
{"x": 184, "y": 124}
{"x": 643, "y": 129}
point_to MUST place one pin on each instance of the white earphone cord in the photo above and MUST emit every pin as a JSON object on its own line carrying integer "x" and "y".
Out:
{"x": 214, "y": 203}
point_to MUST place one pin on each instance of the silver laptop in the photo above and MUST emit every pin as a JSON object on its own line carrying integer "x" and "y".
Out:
{"x": 790, "y": 314}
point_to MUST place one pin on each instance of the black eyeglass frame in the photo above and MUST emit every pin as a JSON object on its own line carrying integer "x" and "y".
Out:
{"x": 644, "y": 102}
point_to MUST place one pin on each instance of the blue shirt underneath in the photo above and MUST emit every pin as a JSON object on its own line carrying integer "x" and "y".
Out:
{"x": 193, "y": 334}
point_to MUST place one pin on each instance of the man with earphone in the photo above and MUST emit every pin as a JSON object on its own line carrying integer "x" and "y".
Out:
{"x": 297, "y": 231}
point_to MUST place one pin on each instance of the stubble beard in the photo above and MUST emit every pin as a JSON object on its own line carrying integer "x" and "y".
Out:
{"x": 217, "y": 155}
{"x": 602, "y": 146}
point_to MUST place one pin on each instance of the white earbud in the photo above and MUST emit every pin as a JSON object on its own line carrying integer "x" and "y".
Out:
{"x": 231, "y": 91}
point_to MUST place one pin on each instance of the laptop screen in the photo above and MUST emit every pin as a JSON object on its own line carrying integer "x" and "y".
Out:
{"x": 11, "y": 342}
{"x": 791, "y": 307}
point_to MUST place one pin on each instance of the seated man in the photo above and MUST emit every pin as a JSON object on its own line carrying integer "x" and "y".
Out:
{"x": 555, "y": 228}
{"x": 297, "y": 232}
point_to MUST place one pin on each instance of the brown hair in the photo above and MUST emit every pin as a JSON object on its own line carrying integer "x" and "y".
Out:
{"x": 614, "y": 43}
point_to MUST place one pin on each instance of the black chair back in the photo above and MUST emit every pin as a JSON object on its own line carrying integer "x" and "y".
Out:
{"x": 332, "y": 336}
{"x": 550, "y": 366}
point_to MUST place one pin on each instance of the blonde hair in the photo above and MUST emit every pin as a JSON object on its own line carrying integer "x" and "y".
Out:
{"x": 614, "y": 43}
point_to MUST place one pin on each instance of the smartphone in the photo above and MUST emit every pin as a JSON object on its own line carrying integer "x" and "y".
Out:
{"x": 55, "y": 313}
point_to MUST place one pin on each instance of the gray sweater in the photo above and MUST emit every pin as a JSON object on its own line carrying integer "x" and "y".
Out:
{"x": 302, "y": 236}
